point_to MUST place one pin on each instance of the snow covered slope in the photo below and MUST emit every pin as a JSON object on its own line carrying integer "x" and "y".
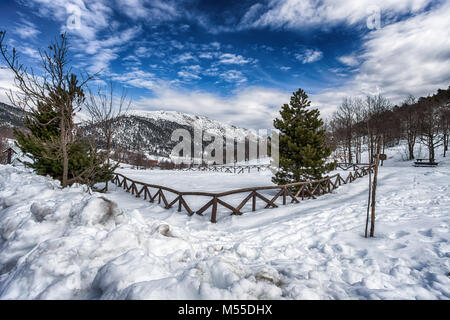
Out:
{"x": 151, "y": 131}
{"x": 10, "y": 116}
{"x": 67, "y": 244}
{"x": 186, "y": 119}
{"x": 148, "y": 131}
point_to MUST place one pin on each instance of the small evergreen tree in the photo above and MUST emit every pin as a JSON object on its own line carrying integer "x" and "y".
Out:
{"x": 303, "y": 152}
{"x": 51, "y": 101}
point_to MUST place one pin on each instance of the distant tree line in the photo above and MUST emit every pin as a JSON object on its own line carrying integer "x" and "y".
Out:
{"x": 356, "y": 124}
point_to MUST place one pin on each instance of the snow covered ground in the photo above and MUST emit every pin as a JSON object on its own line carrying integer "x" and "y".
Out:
{"x": 199, "y": 180}
{"x": 67, "y": 244}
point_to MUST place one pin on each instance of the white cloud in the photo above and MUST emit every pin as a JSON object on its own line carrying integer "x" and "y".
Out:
{"x": 233, "y": 76}
{"x": 151, "y": 11}
{"x": 137, "y": 78}
{"x": 407, "y": 57}
{"x": 252, "y": 107}
{"x": 213, "y": 71}
{"x": 186, "y": 75}
{"x": 298, "y": 14}
{"x": 131, "y": 60}
{"x": 96, "y": 38}
{"x": 190, "y": 72}
{"x": 26, "y": 29}
{"x": 6, "y": 83}
{"x": 94, "y": 15}
{"x": 176, "y": 44}
{"x": 182, "y": 58}
{"x": 143, "y": 52}
{"x": 350, "y": 60}
{"x": 206, "y": 55}
{"x": 100, "y": 61}
{"x": 309, "y": 56}
{"x": 230, "y": 58}
{"x": 216, "y": 45}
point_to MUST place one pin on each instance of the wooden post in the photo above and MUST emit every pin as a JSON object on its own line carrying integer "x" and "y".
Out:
{"x": 9, "y": 154}
{"x": 368, "y": 203}
{"x": 254, "y": 201}
{"x": 374, "y": 188}
{"x": 214, "y": 210}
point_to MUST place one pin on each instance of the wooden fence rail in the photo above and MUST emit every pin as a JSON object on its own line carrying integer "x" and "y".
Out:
{"x": 284, "y": 194}
{"x": 228, "y": 168}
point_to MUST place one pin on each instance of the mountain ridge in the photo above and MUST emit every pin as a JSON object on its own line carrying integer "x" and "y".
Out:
{"x": 145, "y": 131}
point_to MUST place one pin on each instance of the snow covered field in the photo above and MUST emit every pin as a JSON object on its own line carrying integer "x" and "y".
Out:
{"x": 67, "y": 244}
{"x": 200, "y": 181}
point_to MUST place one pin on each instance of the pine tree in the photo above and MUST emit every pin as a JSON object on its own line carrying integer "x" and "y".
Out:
{"x": 39, "y": 140}
{"x": 41, "y": 143}
{"x": 303, "y": 153}
{"x": 52, "y": 100}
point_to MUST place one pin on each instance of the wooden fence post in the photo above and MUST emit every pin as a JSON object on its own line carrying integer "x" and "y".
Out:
{"x": 214, "y": 211}
{"x": 374, "y": 188}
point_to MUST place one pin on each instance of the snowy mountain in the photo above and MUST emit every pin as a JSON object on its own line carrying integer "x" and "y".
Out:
{"x": 151, "y": 131}
{"x": 11, "y": 116}
{"x": 148, "y": 131}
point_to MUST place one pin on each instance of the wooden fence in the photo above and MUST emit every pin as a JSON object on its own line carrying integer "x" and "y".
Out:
{"x": 284, "y": 194}
{"x": 230, "y": 169}
{"x": 354, "y": 166}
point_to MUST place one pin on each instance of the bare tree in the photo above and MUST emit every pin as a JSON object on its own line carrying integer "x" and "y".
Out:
{"x": 348, "y": 130}
{"x": 345, "y": 120}
{"x": 376, "y": 106}
{"x": 359, "y": 127}
{"x": 443, "y": 99}
{"x": 410, "y": 123}
{"x": 105, "y": 111}
{"x": 430, "y": 121}
{"x": 58, "y": 87}
{"x": 445, "y": 125}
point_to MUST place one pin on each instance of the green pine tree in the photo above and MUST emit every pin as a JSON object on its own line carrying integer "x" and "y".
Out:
{"x": 41, "y": 143}
{"x": 52, "y": 140}
{"x": 303, "y": 153}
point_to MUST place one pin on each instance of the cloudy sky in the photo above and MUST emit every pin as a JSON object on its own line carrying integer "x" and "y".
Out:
{"x": 239, "y": 61}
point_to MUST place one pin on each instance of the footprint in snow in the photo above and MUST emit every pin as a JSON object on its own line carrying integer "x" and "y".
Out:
{"x": 398, "y": 235}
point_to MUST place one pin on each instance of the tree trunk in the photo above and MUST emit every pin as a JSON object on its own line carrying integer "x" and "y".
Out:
{"x": 445, "y": 143}
{"x": 350, "y": 157}
{"x": 368, "y": 203}
{"x": 108, "y": 151}
{"x": 374, "y": 188}
{"x": 431, "y": 148}
{"x": 371, "y": 149}
{"x": 411, "y": 148}
{"x": 65, "y": 156}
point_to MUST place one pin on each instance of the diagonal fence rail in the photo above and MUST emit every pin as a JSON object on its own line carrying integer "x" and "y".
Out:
{"x": 269, "y": 196}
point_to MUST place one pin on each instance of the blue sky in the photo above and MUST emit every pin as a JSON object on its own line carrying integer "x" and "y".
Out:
{"x": 239, "y": 61}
